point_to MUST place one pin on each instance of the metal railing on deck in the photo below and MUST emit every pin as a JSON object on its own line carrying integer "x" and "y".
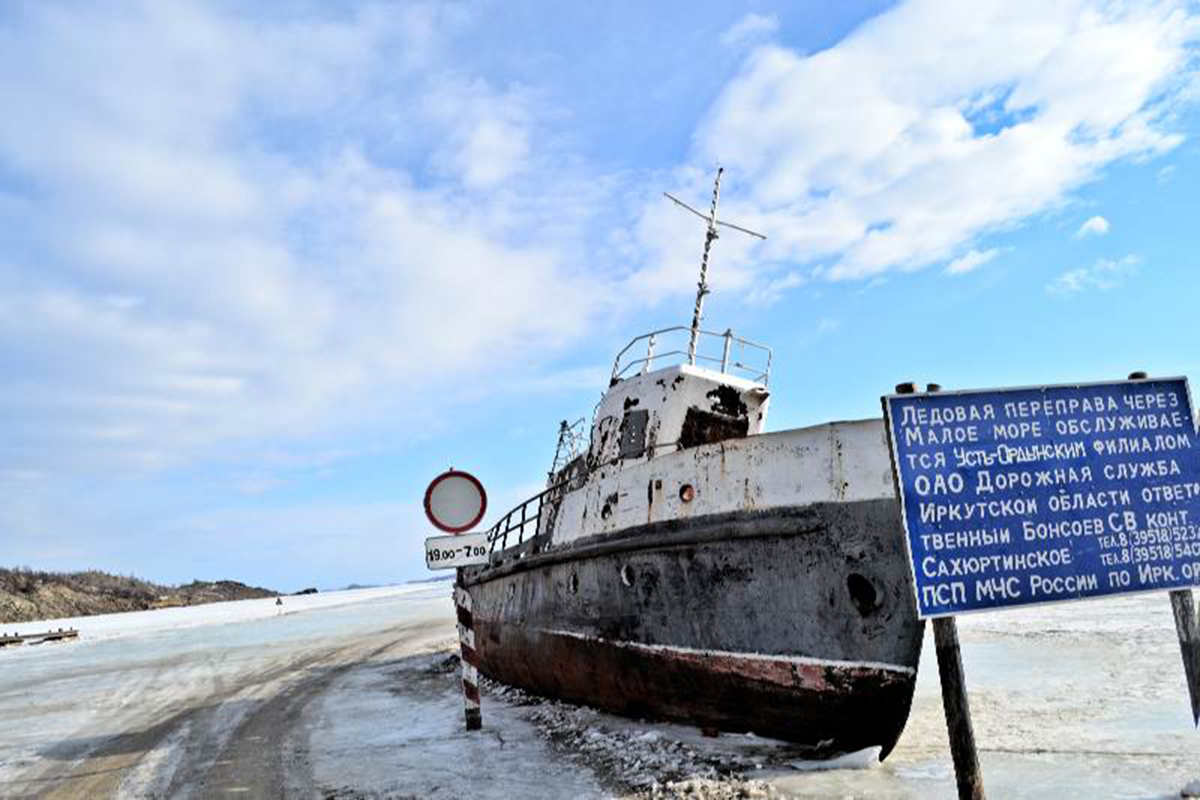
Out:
{"x": 750, "y": 360}
{"x": 521, "y": 517}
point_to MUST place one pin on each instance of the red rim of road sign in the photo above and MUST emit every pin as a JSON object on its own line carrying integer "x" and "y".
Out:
{"x": 455, "y": 473}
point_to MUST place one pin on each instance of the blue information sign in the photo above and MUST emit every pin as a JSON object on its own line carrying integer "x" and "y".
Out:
{"x": 1037, "y": 495}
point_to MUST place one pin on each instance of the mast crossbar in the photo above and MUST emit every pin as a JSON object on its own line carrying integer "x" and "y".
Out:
{"x": 710, "y": 235}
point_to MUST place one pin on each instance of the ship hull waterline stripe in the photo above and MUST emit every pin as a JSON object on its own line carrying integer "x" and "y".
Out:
{"x": 691, "y": 651}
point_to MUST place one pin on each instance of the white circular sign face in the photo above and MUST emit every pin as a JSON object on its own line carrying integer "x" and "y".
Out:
{"x": 455, "y": 501}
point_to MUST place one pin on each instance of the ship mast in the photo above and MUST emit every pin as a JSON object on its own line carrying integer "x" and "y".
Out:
{"x": 709, "y": 237}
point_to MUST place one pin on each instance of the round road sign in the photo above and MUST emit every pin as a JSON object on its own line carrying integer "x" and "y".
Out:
{"x": 455, "y": 501}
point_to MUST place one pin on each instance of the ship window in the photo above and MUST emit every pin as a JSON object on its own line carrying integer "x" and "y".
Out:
{"x": 627, "y": 575}
{"x": 687, "y": 493}
{"x": 573, "y": 583}
{"x": 633, "y": 433}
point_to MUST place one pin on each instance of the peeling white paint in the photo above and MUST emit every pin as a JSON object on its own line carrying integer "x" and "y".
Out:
{"x": 831, "y": 463}
{"x": 667, "y": 394}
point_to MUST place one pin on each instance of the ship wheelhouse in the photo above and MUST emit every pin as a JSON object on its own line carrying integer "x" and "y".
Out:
{"x": 669, "y": 400}
{"x": 670, "y": 390}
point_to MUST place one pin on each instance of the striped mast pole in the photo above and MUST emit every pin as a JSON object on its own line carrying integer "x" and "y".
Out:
{"x": 711, "y": 235}
{"x": 469, "y": 657}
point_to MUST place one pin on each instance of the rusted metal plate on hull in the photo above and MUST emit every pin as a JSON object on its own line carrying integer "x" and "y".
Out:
{"x": 780, "y": 621}
{"x": 705, "y": 427}
{"x": 826, "y": 709}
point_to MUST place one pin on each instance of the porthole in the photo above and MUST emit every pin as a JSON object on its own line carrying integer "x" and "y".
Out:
{"x": 862, "y": 593}
{"x": 687, "y": 493}
{"x": 627, "y": 575}
{"x": 573, "y": 584}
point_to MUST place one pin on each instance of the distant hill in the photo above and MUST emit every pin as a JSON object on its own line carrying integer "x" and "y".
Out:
{"x": 27, "y": 594}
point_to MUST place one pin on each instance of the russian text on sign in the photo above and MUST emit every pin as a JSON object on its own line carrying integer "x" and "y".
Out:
{"x": 1046, "y": 493}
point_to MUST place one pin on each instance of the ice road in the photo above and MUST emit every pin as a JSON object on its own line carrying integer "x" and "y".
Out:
{"x": 354, "y": 695}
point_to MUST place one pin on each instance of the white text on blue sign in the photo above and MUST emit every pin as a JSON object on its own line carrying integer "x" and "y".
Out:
{"x": 1023, "y": 496}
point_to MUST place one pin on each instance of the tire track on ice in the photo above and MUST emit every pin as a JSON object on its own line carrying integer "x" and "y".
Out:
{"x": 219, "y": 727}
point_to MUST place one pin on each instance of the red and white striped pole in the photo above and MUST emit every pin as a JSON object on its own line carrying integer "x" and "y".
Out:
{"x": 455, "y": 502}
{"x": 470, "y": 659}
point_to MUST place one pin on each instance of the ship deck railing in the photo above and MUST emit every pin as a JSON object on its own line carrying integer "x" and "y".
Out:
{"x": 738, "y": 357}
{"x": 524, "y": 516}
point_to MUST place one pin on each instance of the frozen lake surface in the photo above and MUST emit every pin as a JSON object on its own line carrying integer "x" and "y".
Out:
{"x": 352, "y": 695}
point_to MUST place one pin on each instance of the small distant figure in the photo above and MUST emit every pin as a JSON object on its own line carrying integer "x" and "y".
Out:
{"x": 279, "y": 604}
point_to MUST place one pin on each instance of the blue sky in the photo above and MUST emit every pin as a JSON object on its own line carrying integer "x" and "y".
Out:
{"x": 264, "y": 273}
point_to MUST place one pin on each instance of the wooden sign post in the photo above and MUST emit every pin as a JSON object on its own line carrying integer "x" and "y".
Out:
{"x": 1185, "y": 627}
{"x": 1189, "y": 645}
{"x": 967, "y": 773}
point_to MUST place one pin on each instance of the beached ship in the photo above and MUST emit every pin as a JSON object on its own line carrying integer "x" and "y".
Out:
{"x": 684, "y": 564}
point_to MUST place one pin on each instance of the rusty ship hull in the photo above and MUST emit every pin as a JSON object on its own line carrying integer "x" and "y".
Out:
{"x": 793, "y": 622}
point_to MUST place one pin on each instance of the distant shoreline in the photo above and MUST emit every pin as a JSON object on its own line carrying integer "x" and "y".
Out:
{"x": 27, "y": 595}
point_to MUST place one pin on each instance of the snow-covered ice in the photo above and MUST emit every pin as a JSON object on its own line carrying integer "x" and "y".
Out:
{"x": 354, "y": 694}
{"x": 141, "y": 623}
{"x": 401, "y": 727}
{"x": 61, "y": 703}
{"x": 1079, "y": 699}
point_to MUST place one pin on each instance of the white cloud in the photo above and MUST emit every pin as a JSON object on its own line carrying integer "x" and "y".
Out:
{"x": 1094, "y": 226}
{"x": 669, "y": 241}
{"x": 771, "y": 291}
{"x": 933, "y": 124}
{"x": 1104, "y": 274}
{"x": 487, "y": 132}
{"x": 493, "y": 151}
{"x": 971, "y": 261}
{"x": 221, "y": 243}
{"x": 242, "y": 229}
{"x": 750, "y": 28}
